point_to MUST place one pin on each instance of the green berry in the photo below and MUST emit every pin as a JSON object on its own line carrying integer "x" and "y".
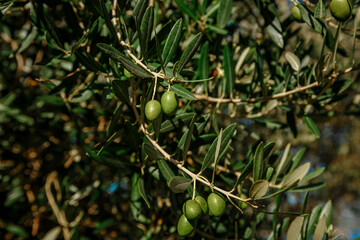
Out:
{"x": 340, "y": 9}
{"x": 169, "y": 102}
{"x": 216, "y": 204}
{"x": 295, "y": 12}
{"x": 203, "y": 204}
{"x": 184, "y": 226}
{"x": 152, "y": 110}
{"x": 192, "y": 209}
{"x": 242, "y": 205}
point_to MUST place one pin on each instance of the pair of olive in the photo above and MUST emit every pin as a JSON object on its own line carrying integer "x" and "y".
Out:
{"x": 169, "y": 104}
{"x": 340, "y": 10}
{"x": 193, "y": 209}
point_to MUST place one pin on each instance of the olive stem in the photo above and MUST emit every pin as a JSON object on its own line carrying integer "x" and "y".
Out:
{"x": 194, "y": 189}
{"x": 337, "y": 36}
{"x": 191, "y": 174}
{"x": 154, "y": 91}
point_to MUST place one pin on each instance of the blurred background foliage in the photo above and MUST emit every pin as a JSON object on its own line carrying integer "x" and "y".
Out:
{"x": 53, "y": 110}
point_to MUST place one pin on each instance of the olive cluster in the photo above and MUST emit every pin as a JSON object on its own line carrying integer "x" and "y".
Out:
{"x": 169, "y": 104}
{"x": 193, "y": 209}
{"x": 340, "y": 10}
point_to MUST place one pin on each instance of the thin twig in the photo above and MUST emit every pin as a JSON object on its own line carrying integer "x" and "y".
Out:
{"x": 190, "y": 173}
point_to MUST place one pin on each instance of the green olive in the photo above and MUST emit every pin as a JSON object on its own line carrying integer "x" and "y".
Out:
{"x": 295, "y": 12}
{"x": 184, "y": 226}
{"x": 192, "y": 209}
{"x": 152, "y": 110}
{"x": 169, "y": 102}
{"x": 203, "y": 204}
{"x": 241, "y": 204}
{"x": 216, "y": 204}
{"x": 128, "y": 74}
{"x": 340, "y": 9}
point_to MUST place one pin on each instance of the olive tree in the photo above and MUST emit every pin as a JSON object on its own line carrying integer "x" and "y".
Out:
{"x": 201, "y": 95}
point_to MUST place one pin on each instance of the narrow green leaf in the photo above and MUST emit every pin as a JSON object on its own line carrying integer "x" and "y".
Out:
{"x": 284, "y": 189}
{"x": 181, "y": 142}
{"x": 17, "y": 230}
{"x": 120, "y": 89}
{"x": 313, "y": 175}
{"x": 313, "y": 219}
{"x": 293, "y": 60}
{"x": 188, "y": 138}
{"x": 224, "y": 13}
{"x": 25, "y": 43}
{"x": 172, "y": 42}
{"x": 317, "y": 24}
{"x": 229, "y": 70}
{"x": 259, "y": 189}
{"x": 165, "y": 170}
{"x": 107, "y": 18}
{"x": 179, "y": 184}
{"x": 217, "y": 152}
{"x": 186, "y": 9}
{"x": 296, "y": 175}
{"x": 200, "y": 124}
{"x": 309, "y": 187}
{"x": 189, "y": 51}
{"x": 142, "y": 191}
{"x": 297, "y": 158}
{"x": 177, "y": 121}
{"x": 304, "y": 204}
{"x": 269, "y": 173}
{"x": 328, "y": 212}
{"x": 248, "y": 168}
{"x": 258, "y": 162}
{"x": 311, "y": 126}
{"x": 152, "y": 152}
{"x": 295, "y": 227}
{"x": 216, "y": 29}
{"x": 128, "y": 63}
{"x": 182, "y": 92}
{"x": 203, "y": 66}
{"x": 320, "y": 229}
{"x": 282, "y": 162}
{"x": 272, "y": 22}
{"x": 113, "y": 124}
{"x": 158, "y": 51}
{"x": 226, "y": 137}
{"x": 268, "y": 148}
{"x": 157, "y": 125}
{"x": 146, "y": 28}
{"x": 320, "y": 10}
{"x": 140, "y": 7}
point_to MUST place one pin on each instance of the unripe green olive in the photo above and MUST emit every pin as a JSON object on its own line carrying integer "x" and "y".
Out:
{"x": 192, "y": 209}
{"x": 128, "y": 74}
{"x": 295, "y": 12}
{"x": 203, "y": 204}
{"x": 242, "y": 205}
{"x": 169, "y": 102}
{"x": 340, "y": 9}
{"x": 184, "y": 226}
{"x": 216, "y": 204}
{"x": 152, "y": 110}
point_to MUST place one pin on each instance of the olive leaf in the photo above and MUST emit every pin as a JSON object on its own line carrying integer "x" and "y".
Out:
{"x": 258, "y": 189}
{"x": 179, "y": 184}
{"x": 172, "y": 42}
{"x": 128, "y": 63}
{"x": 295, "y": 228}
{"x": 226, "y": 137}
{"x": 189, "y": 51}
